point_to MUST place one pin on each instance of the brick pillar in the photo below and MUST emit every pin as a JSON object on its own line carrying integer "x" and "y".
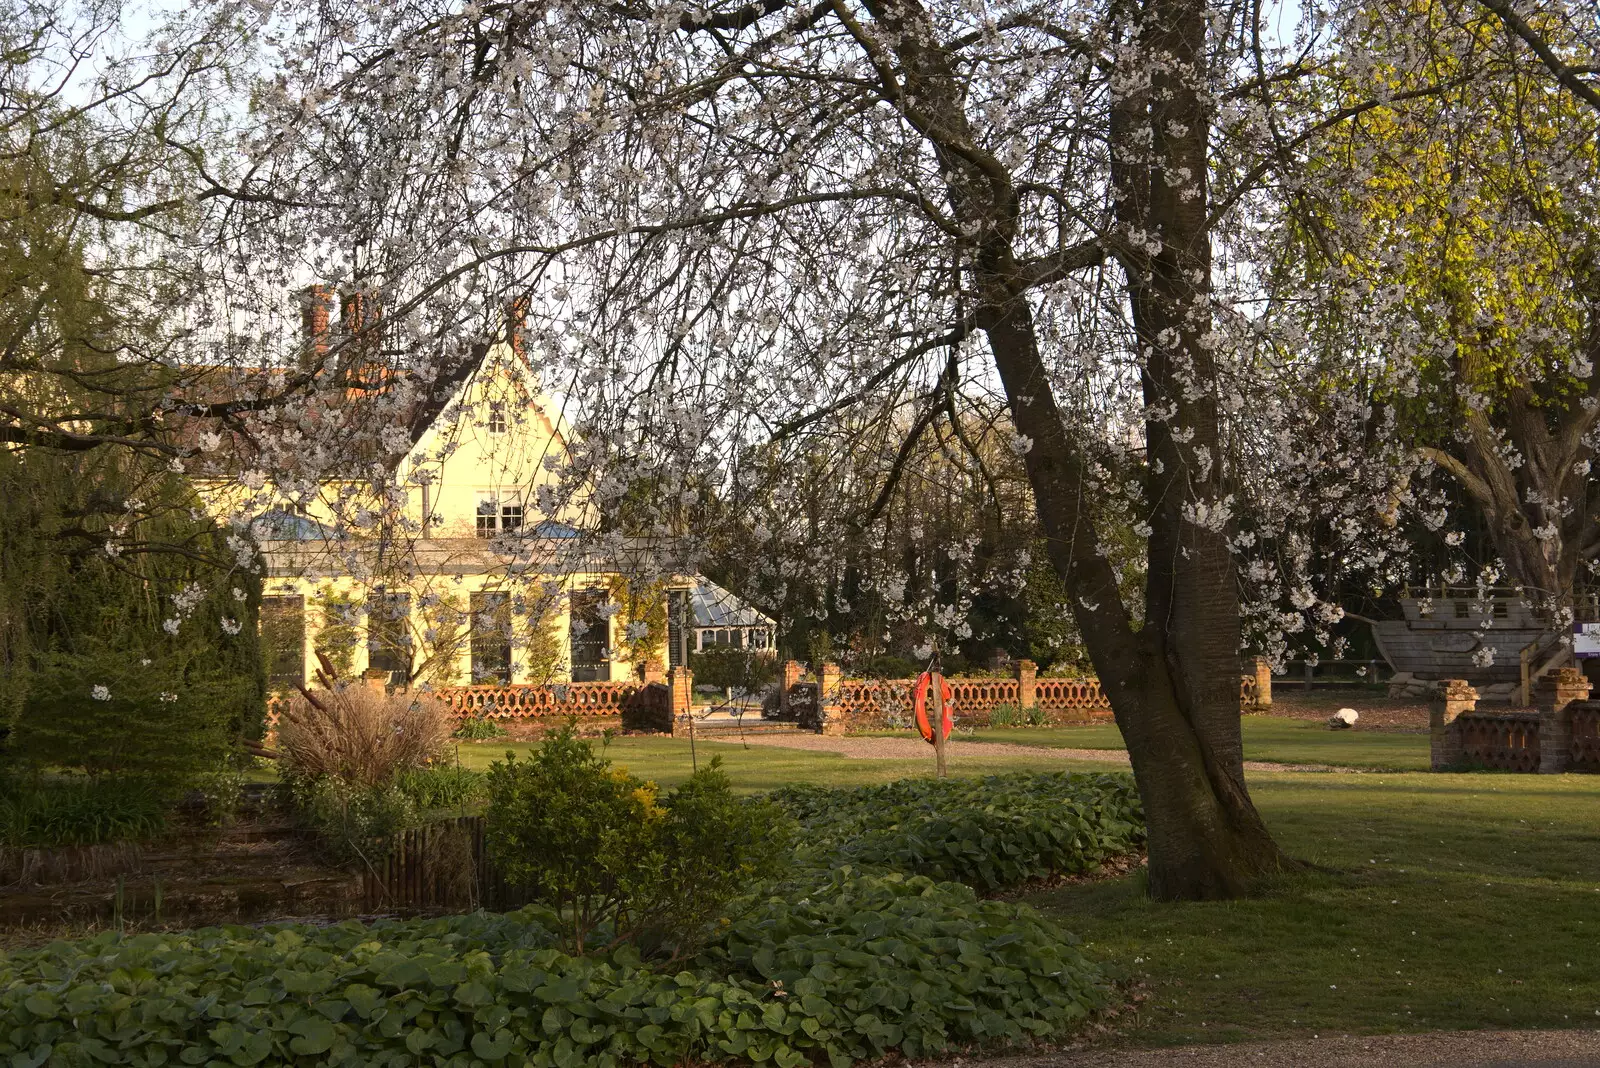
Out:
{"x": 680, "y": 690}
{"x": 792, "y": 670}
{"x": 654, "y": 672}
{"x": 1263, "y": 683}
{"x": 828, "y": 679}
{"x": 1450, "y": 699}
{"x": 1027, "y": 684}
{"x": 1555, "y": 694}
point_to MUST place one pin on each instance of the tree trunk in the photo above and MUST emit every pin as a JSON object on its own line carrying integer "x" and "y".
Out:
{"x": 1173, "y": 684}
{"x": 1179, "y": 716}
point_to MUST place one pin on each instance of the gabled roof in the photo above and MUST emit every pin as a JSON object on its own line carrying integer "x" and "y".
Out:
{"x": 714, "y": 606}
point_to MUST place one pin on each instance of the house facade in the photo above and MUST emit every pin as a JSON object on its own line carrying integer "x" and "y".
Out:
{"x": 457, "y": 560}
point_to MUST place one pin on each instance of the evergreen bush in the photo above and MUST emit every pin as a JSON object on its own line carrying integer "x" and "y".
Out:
{"x": 617, "y": 861}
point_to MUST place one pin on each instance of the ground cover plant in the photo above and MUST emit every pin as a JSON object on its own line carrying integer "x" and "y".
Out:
{"x": 844, "y": 958}
{"x": 991, "y": 832}
{"x": 1449, "y": 901}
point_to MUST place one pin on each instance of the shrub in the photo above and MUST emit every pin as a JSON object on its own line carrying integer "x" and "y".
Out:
{"x": 479, "y": 729}
{"x": 888, "y": 666}
{"x": 619, "y": 863}
{"x": 990, "y": 833}
{"x": 728, "y": 668}
{"x": 168, "y": 716}
{"x": 864, "y": 964}
{"x": 359, "y": 734}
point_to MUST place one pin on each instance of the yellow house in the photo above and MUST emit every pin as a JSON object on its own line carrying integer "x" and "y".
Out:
{"x": 452, "y": 559}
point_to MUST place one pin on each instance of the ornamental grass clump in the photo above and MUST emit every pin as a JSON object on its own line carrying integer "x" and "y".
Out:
{"x": 359, "y": 735}
{"x": 619, "y": 862}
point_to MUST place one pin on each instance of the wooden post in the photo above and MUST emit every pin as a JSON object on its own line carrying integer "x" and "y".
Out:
{"x": 938, "y": 725}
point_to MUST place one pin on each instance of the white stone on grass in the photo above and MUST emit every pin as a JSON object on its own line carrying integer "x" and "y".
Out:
{"x": 1343, "y": 719}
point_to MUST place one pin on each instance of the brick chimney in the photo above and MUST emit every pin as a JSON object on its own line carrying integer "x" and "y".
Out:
{"x": 314, "y": 302}
{"x": 517, "y": 324}
{"x": 359, "y": 310}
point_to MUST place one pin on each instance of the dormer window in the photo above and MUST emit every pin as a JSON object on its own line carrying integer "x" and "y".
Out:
{"x": 497, "y": 418}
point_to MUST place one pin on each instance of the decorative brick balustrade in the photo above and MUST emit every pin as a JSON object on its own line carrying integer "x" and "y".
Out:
{"x": 877, "y": 704}
{"x": 1586, "y": 736}
{"x": 508, "y": 702}
{"x": 525, "y": 701}
{"x": 1508, "y": 741}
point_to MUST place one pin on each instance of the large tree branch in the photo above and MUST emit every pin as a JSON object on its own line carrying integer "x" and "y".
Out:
{"x": 1477, "y": 487}
{"x": 1564, "y": 72}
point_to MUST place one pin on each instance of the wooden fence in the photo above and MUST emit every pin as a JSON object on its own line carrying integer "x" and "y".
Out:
{"x": 441, "y": 865}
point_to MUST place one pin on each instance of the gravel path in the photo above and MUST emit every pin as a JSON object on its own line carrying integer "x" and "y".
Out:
{"x": 916, "y": 749}
{"x": 1456, "y": 1049}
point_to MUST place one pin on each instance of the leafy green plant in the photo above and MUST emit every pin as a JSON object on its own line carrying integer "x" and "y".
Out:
{"x": 443, "y": 787}
{"x": 351, "y": 821}
{"x": 478, "y": 729}
{"x": 618, "y": 862}
{"x": 869, "y": 964}
{"x": 846, "y": 960}
{"x": 1009, "y": 714}
{"x": 52, "y": 812}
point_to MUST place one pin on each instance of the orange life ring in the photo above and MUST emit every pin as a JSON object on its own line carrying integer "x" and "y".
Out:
{"x": 919, "y": 701}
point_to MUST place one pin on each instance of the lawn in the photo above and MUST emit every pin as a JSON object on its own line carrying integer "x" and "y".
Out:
{"x": 1457, "y": 901}
{"x": 762, "y": 767}
{"x": 1266, "y": 738}
{"x": 1448, "y": 901}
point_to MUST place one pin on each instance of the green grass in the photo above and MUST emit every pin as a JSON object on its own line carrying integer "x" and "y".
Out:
{"x": 669, "y": 761}
{"x": 1266, "y": 738}
{"x": 1458, "y": 901}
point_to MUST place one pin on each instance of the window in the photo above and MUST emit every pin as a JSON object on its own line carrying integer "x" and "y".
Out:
{"x": 283, "y": 640}
{"x": 758, "y": 638}
{"x": 1502, "y": 609}
{"x": 493, "y": 516}
{"x": 591, "y": 632}
{"x": 1461, "y": 610}
{"x": 491, "y": 638}
{"x": 389, "y": 636}
{"x": 497, "y": 418}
